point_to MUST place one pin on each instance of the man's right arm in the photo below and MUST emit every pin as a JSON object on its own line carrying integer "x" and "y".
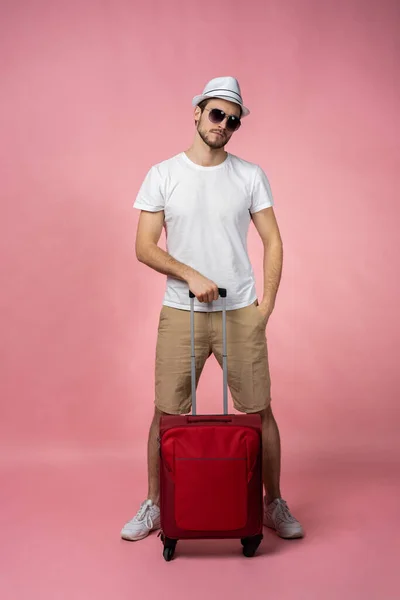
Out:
{"x": 148, "y": 252}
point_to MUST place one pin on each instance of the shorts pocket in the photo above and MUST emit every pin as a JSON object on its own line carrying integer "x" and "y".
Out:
{"x": 260, "y": 318}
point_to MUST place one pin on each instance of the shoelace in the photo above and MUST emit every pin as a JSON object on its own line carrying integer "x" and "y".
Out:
{"x": 143, "y": 514}
{"x": 285, "y": 512}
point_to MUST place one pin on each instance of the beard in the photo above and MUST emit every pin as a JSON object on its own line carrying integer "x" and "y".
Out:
{"x": 214, "y": 144}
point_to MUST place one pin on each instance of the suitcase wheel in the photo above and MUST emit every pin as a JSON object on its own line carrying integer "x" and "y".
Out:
{"x": 251, "y": 544}
{"x": 168, "y": 553}
{"x": 169, "y": 547}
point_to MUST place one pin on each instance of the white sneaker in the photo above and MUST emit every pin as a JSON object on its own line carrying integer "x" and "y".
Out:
{"x": 277, "y": 516}
{"x": 147, "y": 519}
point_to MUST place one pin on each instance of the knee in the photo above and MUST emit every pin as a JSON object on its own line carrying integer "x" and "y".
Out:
{"x": 266, "y": 414}
{"x": 157, "y": 415}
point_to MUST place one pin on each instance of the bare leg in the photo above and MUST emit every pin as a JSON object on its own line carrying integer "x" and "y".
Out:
{"x": 153, "y": 459}
{"x": 271, "y": 455}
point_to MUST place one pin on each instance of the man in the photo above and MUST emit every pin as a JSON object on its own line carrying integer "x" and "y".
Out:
{"x": 205, "y": 198}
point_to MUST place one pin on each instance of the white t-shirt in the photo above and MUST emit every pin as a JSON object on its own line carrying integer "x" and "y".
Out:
{"x": 207, "y": 213}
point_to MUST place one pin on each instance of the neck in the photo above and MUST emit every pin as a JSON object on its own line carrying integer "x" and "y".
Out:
{"x": 203, "y": 155}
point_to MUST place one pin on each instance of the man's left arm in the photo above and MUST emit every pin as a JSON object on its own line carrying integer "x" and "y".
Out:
{"x": 268, "y": 230}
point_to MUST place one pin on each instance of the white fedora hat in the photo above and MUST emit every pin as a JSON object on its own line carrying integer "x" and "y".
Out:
{"x": 226, "y": 88}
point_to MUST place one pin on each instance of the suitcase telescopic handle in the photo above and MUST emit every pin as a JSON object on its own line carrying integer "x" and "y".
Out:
{"x": 222, "y": 292}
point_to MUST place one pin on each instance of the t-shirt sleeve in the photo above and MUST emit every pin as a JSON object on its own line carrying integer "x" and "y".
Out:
{"x": 262, "y": 195}
{"x": 150, "y": 196}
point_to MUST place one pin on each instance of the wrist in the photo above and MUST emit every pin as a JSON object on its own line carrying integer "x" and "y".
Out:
{"x": 187, "y": 274}
{"x": 266, "y": 307}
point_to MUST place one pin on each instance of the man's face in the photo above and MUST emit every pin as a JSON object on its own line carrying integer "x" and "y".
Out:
{"x": 215, "y": 135}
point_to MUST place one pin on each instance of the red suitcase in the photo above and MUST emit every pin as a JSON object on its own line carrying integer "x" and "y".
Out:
{"x": 211, "y": 471}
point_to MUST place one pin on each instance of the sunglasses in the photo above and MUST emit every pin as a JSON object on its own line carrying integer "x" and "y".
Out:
{"x": 218, "y": 116}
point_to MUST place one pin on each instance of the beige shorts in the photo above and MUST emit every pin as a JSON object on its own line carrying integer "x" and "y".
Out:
{"x": 248, "y": 370}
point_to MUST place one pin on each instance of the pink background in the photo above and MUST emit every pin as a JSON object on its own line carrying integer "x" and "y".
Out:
{"x": 92, "y": 95}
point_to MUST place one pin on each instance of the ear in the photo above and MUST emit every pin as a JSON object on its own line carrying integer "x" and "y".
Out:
{"x": 197, "y": 114}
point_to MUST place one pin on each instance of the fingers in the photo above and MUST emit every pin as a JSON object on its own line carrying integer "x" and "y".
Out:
{"x": 213, "y": 293}
{"x": 210, "y": 294}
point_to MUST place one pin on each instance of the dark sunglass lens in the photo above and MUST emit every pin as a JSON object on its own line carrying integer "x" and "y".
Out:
{"x": 216, "y": 115}
{"x": 233, "y": 123}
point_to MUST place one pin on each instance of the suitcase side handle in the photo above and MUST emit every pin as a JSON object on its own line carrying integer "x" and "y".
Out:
{"x": 208, "y": 420}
